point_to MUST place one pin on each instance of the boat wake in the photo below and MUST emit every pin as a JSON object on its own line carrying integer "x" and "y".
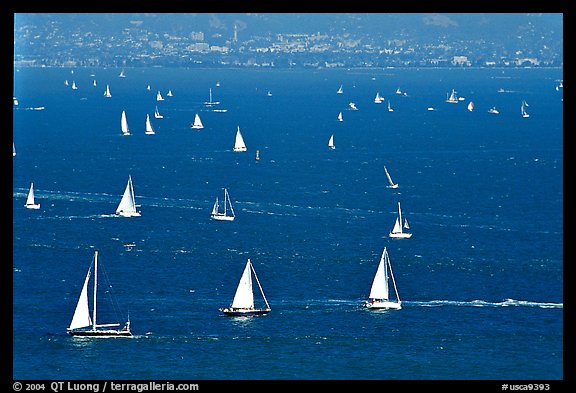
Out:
{"x": 483, "y": 303}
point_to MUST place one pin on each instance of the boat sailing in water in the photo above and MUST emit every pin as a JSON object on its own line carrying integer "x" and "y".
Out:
{"x": 340, "y": 90}
{"x": 228, "y": 213}
{"x": 453, "y": 99}
{"x": 210, "y": 103}
{"x": 331, "y": 142}
{"x": 30, "y": 201}
{"x": 340, "y": 118}
{"x": 127, "y": 206}
{"x": 243, "y": 302}
{"x": 379, "y": 297}
{"x": 493, "y": 111}
{"x": 149, "y": 129}
{"x": 378, "y": 99}
{"x": 523, "y": 109}
{"x": 197, "y": 122}
{"x": 392, "y": 184}
{"x": 107, "y": 92}
{"x": 157, "y": 114}
{"x": 239, "y": 144}
{"x": 124, "y": 124}
{"x": 398, "y": 230}
{"x": 159, "y": 96}
{"x": 470, "y": 106}
{"x": 84, "y": 326}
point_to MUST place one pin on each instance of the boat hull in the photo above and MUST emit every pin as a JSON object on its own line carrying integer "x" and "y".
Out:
{"x": 244, "y": 312}
{"x": 402, "y": 235}
{"x": 100, "y": 333}
{"x": 129, "y": 214}
{"x": 221, "y": 217}
{"x": 37, "y": 206}
{"x": 383, "y": 305}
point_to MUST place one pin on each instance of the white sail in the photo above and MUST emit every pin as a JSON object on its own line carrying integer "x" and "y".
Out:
{"x": 127, "y": 205}
{"x": 340, "y": 118}
{"x": 149, "y": 129}
{"x": 124, "y": 124}
{"x": 392, "y": 184}
{"x": 390, "y": 109}
{"x": 239, "y": 144}
{"x": 379, "y": 288}
{"x": 340, "y": 90}
{"x": 30, "y": 201}
{"x": 378, "y": 99}
{"x": 331, "y": 142}
{"x": 159, "y": 96}
{"x": 169, "y": 94}
{"x": 13, "y": 150}
{"x": 74, "y": 87}
{"x": 94, "y": 83}
{"x": 107, "y": 92}
{"x": 228, "y": 213}
{"x": 453, "y": 98}
{"x": 81, "y": 316}
{"x": 157, "y": 114}
{"x": 470, "y": 106}
{"x": 523, "y": 109}
{"x": 197, "y": 122}
{"x": 244, "y": 296}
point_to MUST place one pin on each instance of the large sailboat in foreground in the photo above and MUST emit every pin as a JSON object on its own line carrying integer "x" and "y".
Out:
{"x": 127, "y": 206}
{"x": 84, "y": 326}
{"x": 379, "y": 297}
{"x": 398, "y": 230}
{"x": 243, "y": 302}
{"x": 228, "y": 213}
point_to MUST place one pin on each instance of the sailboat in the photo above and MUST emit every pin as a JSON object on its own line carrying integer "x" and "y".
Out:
{"x": 210, "y": 103}
{"x": 30, "y": 202}
{"x": 127, "y": 206}
{"x": 107, "y": 92}
{"x": 453, "y": 98}
{"x": 84, "y": 326}
{"x": 74, "y": 87}
{"x": 197, "y": 122}
{"x": 228, "y": 213}
{"x": 169, "y": 94}
{"x": 243, "y": 302}
{"x": 353, "y": 106}
{"x": 379, "y": 297}
{"x": 340, "y": 90}
{"x": 340, "y": 118}
{"x": 390, "y": 107}
{"x": 159, "y": 96}
{"x": 148, "y": 88}
{"x": 239, "y": 144}
{"x": 13, "y": 150}
{"x": 124, "y": 124}
{"x": 493, "y": 111}
{"x": 392, "y": 184}
{"x": 149, "y": 129}
{"x": 523, "y": 109}
{"x": 157, "y": 114}
{"x": 470, "y": 106}
{"x": 378, "y": 99}
{"x": 122, "y": 75}
{"x": 94, "y": 83}
{"x": 331, "y": 142}
{"x": 398, "y": 230}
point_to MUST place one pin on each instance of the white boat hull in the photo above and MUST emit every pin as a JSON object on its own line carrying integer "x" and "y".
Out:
{"x": 402, "y": 235}
{"x": 129, "y": 214}
{"x": 241, "y": 312}
{"x": 222, "y": 217}
{"x": 35, "y": 206}
{"x": 383, "y": 305}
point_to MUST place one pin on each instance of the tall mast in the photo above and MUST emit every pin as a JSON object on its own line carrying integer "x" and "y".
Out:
{"x": 95, "y": 288}
{"x": 225, "y": 195}
{"x": 400, "y": 216}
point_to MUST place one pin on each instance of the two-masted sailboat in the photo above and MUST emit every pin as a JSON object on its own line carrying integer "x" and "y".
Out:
{"x": 398, "y": 230}
{"x": 30, "y": 201}
{"x": 124, "y": 124}
{"x": 243, "y": 302}
{"x": 197, "y": 122}
{"x": 227, "y": 214}
{"x": 379, "y": 297}
{"x": 84, "y": 326}
{"x": 127, "y": 206}
{"x": 239, "y": 144}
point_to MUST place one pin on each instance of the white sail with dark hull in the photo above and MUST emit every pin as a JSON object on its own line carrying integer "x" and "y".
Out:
{"x": 127, "y": 206}
{"x": 82, "y": 325}
{"x": 243, "y": 302}
{"x": 379, "y": 297}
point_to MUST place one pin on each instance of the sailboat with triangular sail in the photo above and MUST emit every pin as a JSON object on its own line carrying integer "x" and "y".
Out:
{"x": 470, "y": 106}
{"x": 228, "y": 213}
{"x": 390, "y": 109}
{"x": 149, "y": 129}
{"x": 197, "y": 122}
{"x": 84, "y": 326}
{"x": 453, "y": 98}
{"x": 157, "y": 114}
{"x": 210, "y": 102}
{"x": 379, "y": 297}
{"x": 392, "y": 184}
{"x": 74, "y": 87}
{"x": 107, "y": 93}
{"x": 170, "y": 94}
{"x": 340, "y": 90}
{"x": 340, "y": 118}
{"x": 30, "y": 201}
{"x": 243, "y": 302}
{"x": 124, "y": 124}
{"x": 378, "y": 99}
{"x": 331, "y": 142}
{"x": 398, "y": 230}
{"x": 523, "y": 109}
{"x": 159, "y": 96}
{"x": 239, "y": 144}
{"x": 127, "y": 206}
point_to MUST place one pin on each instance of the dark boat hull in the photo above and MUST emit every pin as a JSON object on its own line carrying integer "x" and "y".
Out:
{"x": 244, "y": 312}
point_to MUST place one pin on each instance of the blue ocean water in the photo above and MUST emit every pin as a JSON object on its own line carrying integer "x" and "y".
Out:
{"x": 481, "y": 279}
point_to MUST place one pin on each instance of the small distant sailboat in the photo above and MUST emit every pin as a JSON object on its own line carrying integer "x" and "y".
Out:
{"x": 210, "y": 102}
{"x": 239, "y": 144}
{"x": 107, "y": 92}
{"x": 392, "y": 184}
{"x": 81, "y": 318}
{"x": 157, "y": 114}
{"x": 523, "y": 109}
{"x": 30, "y": 201}
{"x": 122, "y": 75}
{"x": 269, "y": 94}
{"x": 352, "y": 106}
{"x": 159, "y": 96}
{"x": 148, "y": 88}
{"x": 217, "y": 83}
{"x": 379, "y": 297}
{"x": 340, "y": 118}
{"x": 124, "y": 124}
{"x": 15, "y": 101}
{"x": 169, "y": 94}
{"x": 390, "y": 109}
{"x": 13, "y": 150}
{"x": 452, "y": 99}
{"x": 243, "y": 302}
{"x": 127, "y": 206}
{"x": 149, "y": 129}
{"x": 398, "y": 91}
{"x": 470, "y": 106}
{"x": 331, "y": 142}
{"x": 228, "y": 213}
{"x": 197, "y": 122}
{"x": 257, "y": 157}
{"x": 398, "y": 232}
{"x": 66, "y": 82}
{"x": 94, "y": 83}
{"x": 493, "y": 111}
{"x": 378, "y": 99}
{"x": 74, "y": 87}
{"x": 340, "y": 90}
